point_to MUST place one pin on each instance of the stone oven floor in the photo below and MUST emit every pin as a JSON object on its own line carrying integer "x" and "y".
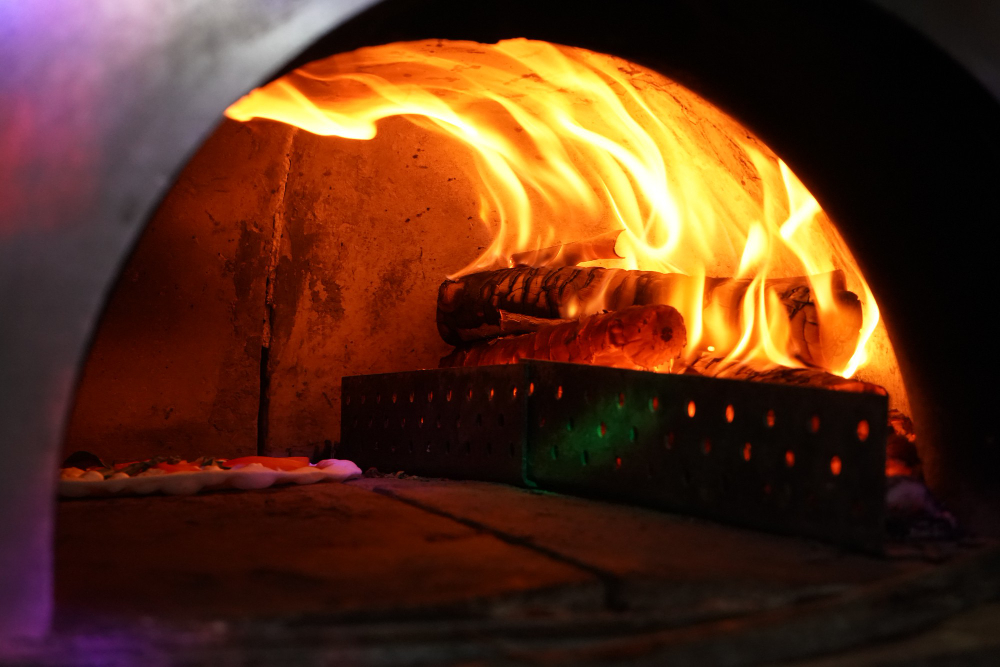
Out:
{"x": 382, "y": 570}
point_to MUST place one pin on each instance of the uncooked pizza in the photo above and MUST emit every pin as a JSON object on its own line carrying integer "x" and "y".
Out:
{"x": 84, "y": 474}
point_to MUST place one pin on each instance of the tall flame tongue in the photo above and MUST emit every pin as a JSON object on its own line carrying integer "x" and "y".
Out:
{"x": 569, "y": 144}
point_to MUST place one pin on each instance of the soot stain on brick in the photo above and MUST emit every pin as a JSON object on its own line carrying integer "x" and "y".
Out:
{"x": 248, "y": 265}
{"x": 290, "y": 276}
{"x": 305, "y": 280}
{"x": 326, "y": 296}
{"x": 394, "y": 286}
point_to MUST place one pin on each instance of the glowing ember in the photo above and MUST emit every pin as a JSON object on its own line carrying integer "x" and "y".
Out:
{"x": 570, "y": 145}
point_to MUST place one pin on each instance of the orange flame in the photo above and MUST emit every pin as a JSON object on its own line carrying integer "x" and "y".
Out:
{"x": 599, "y": 144}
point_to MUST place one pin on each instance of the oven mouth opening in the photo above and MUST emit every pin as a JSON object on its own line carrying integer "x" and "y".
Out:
{"x": 552, "y": 204}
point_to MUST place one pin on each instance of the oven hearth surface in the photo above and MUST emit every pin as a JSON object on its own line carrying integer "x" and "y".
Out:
{"x": 792, "y": 460}
{"x": 421, "y": 571}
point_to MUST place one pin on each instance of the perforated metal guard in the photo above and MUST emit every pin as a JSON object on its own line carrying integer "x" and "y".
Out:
{"x": 794, "y": 460}
{"x": 438, "y": 423}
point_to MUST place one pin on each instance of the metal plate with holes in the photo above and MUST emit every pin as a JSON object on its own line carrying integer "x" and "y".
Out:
{"x": 461, "y": 423}
{"x": 802, "y": 461}
{"x": 785, "y": 459}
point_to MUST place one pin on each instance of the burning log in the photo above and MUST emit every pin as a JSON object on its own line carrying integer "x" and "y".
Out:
{"x": 571, "y": 254}
{"x": 802, "y": 377}
{"x": 474, "y": 306}
{"x": 638, "y": 337}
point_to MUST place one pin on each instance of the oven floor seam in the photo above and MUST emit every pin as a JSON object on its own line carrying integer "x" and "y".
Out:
{"x": 610, "y": 583}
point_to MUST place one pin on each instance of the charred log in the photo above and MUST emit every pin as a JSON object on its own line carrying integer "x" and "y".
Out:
{"x": 801, "y": 377}
{"x": 509, "y": 324}
{"x": 901, "y": 455}
{"x": 472, "y": 307}
{"x": 639, "y": 337}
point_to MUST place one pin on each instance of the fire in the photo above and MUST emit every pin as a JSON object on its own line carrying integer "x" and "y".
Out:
{"x": 571, "y": 144}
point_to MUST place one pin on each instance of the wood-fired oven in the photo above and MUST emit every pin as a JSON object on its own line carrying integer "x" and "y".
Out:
{"x": 182, "y": 283}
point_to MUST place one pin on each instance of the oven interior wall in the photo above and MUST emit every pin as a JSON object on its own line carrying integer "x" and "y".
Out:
{"x": 369, "y": 230}
{"x": 327, "y": 251}
{"x": 174, "y": 368}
